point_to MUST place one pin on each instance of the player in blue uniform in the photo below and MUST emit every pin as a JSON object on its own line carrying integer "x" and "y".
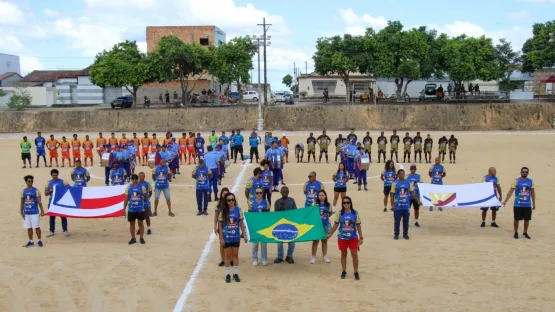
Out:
{"x": 40, "y": 144}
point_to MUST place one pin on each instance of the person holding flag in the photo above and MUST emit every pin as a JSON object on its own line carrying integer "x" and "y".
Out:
{"x": 401, "y": 195}
{"x": 134, "y": 206}
{"x": 48, "y": 190}
{"x": 415, "y": 178}
{"x": 29, "y": 209}
{"x": 525, "y": 201}
{"x": 283, "y": 204}
{"x": 492, "y": 177}
{"x": 437, "y": 172}
{"x": 231, "y": 221}
{"x": 259, "y": 204}
{"x": 79, "y": 175}
{"x": 40, "y": 144}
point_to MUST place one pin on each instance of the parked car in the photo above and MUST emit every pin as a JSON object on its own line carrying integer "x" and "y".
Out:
{"x": 250, "y": 96}
{"x": 123, "y": 102}
{"x": 430, "y": 92}
{"x": 280, "y": 96}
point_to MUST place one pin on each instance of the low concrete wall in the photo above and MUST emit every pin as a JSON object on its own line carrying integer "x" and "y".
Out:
{"x": 337, "y": 117}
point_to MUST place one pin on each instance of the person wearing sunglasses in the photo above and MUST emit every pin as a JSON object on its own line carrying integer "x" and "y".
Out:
{"x": 349, "y": 236}
{"x": 402, "y": 192}
{"x": 221, "y": 202}
{"x": 525, "y": 201}
{"x": 311, "y": 189}
{"x": 325, "y": 213}
{"x": 259, "y": 204}
{"x": 29, "y": 209}
{"x": 231, "y": 220}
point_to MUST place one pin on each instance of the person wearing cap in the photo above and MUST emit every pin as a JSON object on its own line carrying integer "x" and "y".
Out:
{"x": 274, "y": 156}
{"x": 311, "y": 143}
{"x": 360, "y": 171}
{"x": 162, "y": 176}
{"x": 324, "y": 141}
{"x": 253, "y": 142}
{"x": 117, "y": 174}
{"x": 402, "y": 192}
{"x": 285, "y": 143}
{"x": 394, "y": 139}
{"x": 202, "y": 175}
{"x": 415, "y": 178}
{"x": 212, "y": 160}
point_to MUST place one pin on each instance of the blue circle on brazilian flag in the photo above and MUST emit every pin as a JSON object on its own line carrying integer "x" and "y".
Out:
{"x": 285, "y": 232}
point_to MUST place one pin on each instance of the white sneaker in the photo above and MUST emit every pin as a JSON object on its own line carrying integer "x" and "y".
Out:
{"x": 327, "y": 260}
{"x": 264, "y": 262}
{"x": 66, "y": 233}
{"x": 313, "y": 260}
{"x": 255, "y": 263}
{"x": 333, "y": 210}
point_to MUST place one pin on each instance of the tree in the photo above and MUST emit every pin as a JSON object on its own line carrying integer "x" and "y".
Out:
{"x": 20, "y": 99}
{"x": 232, "y": 62}
{"x": 538, "y": 52}
{"x": 124, "y": 65}
{"x": 339, "y": 55}
{"x": 185, "y": 62}
{"x": 403, "y": 55}
{"x": 467, "y": 58}
{"x": 287, "y": 80}
{"x": 508, "y": 61}
{"x": 2, "y": 93}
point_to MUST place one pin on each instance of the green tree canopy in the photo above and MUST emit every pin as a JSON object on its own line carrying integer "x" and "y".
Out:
{"x": 287, "y": 80}
{"x": 232, "y": 62}
{"x": 124, "y": 65}
{"x": 508, "y": 61}
{"x": 538, "y": 52}
{"x": 185, "y": 62}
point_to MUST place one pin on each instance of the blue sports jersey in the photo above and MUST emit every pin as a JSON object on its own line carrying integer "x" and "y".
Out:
{"x": 135, "y": 200}
{"x": 148, "y": 189}
{"x": 231, "y": 228}
{"x": 340, "y": 179}
{"x": 523, "y": 192}
{"x": 325, "y": 212}
{"x": 437, "y": 174}
{"x": 117, "y": 176}
{"x": 401, "y": 193}
{"x": 414, "y": 179}
{"x": 225, "y": 139}
{"x": 30, "y": 201}
{"x": 161, "y": 175}
{"x": 40, "y": 143}
{"x": 311, "y": 190}
{"x": 202, "y": 178}
{"x": 253, "y": 142}
{"x": 79, "y": 177}
{"x": 266, "y": 179}
{"x": 239, "y": 139}
{"x": 389, "y": 177}
{"x": 347, "y": 225}
{"x": 200, "y": 145}
{"x": 261, "y": 206}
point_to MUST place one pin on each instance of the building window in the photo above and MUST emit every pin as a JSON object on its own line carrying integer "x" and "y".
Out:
{"x": 320, "y": 85}
{"x": 204, "y": 41}
{"x": 361, "y": 87}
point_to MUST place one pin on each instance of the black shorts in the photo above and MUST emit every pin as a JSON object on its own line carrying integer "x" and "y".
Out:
{"x": 415, "y": 204}
{"x": 25, "y": 156}
{"x": 232, "y": 244}
{"x": 323, "y": 150}
{"x": 132, "y": 216}
{"x": 386, "y": 190}
{"x": 340, "y": 189}
{"x": 522, "y": 213}
{"x": 239, "y": 149}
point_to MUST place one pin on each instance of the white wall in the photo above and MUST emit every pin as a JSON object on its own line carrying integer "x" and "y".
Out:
{"x": 9, "y": 63}
{"x": 66, "y": 81}
{"x": 39, "y": 94}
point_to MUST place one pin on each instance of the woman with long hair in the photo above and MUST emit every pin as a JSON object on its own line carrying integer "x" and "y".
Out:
{"x": 388, "y": 176}
{"x": 231, "y": 220}
{"x": 325, "y": 213}
{"x": 349, "y": 236}
{"x": 259, "y": 204}
{"x": 217, "y": 209}
{"x": 340, "y": 178}
{"x": 267, "y": 181}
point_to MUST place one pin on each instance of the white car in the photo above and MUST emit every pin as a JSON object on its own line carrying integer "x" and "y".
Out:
{"x": 280, "y": 96}
{"x": 250, "y": 96}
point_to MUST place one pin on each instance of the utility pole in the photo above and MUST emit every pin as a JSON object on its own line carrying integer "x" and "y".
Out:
{"x": 256, "y": 39}
{"x": 306, "y": 67}
{"x": 264, "y": 39}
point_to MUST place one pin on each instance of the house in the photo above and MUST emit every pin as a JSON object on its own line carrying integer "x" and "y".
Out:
{"x": 541, "y": 88}
{"x": 9, "y": 79}
{"x": 314, "y": 85}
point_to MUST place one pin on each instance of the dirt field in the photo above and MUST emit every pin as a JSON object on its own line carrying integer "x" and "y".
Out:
{"x": 449, "y": 264}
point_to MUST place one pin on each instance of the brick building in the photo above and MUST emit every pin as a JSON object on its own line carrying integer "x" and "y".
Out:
{"x": 538, "y": 87}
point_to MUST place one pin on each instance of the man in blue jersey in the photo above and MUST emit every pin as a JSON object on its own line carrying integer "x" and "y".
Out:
{"x": 525, "y": 201}
{"x": 224, "y": 140}
{"x": 161, "y": 175}
{"x": 402, "y": 192}
{"x": 253, "y": 142}
{"x": 80, "y": 176}
{"x": 211, "y": 159}
{"x": 29, "y": 209}
{"x": 202, "y": 176}
{"x": 134, "y": 206}
{"x": 40, "y": 144}
{"x": 437, "y": 172}
{"x": 48, "y": 190}
{"x": 238, "y": 138}
{"x": 274, "y": 156}
{"x": 200, "y": 146}
{"x": 491, "y": 177}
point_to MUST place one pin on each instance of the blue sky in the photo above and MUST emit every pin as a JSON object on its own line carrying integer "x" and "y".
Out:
{"x": 67, "y": 34}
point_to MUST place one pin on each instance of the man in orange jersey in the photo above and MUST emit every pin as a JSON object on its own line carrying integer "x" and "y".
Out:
{"x": 52, "y": 146}
{"x": 137, "y": 148}
{"x": 65, "y": 151}
{"x": 182, "y": 148}
{"x": 113, "y": 142}
{"x": 191, "y": 143}
{"x": 75, "y": 148}
{"x": 124, "y": 140}
{"x": 154, "y": 142}
{"x": 145, "y": 144}
{"x": 101, "y": 144}
{"x": 168, "y": 138}
{"x": 285, "y": 143}
{"x": 88, "y": 150}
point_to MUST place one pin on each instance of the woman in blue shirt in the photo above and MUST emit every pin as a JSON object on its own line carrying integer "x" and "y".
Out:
{"x": 350, "y": 235}
{"x": 231, "y": 220}
{"x": 325, "y": 213}
{"x": 259, "y": 204}
{"x": 224, "y": 191}
{"x": 340, "y": 178}
{"x": 388, "y": 176}
{"x": 267, "y": 181}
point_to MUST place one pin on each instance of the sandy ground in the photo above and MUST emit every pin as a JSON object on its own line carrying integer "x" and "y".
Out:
{"x": 449, "y": 264}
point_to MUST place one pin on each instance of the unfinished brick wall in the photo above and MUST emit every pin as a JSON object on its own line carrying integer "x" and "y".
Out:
{"x": 188, "y": 34}
{"x": 537, "y": 86}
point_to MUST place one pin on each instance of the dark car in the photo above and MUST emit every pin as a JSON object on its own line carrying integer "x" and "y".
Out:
{"x": 123, "y": 102}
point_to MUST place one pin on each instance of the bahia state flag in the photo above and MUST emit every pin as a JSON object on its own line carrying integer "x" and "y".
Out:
{"x": 299, "y": 225}
{"x": 87, "y": 202}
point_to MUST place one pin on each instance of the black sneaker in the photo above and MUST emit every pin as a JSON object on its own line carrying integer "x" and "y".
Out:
{"x": 416, "y": 224}
{"x": 199, "y": 213}
{"x": 236, "y": 278}
{"x": 148, "y": 232}
{"x": 357, "y": 277}
{"x": 396, "y": 237}
{"x": 228, "y": 278}
{"x": 278, "y": 260}
{"x": 221, "y": 264}
{"x": 142, "y": 240}
{"x": 205, "y": 212}
{"x": 483, "y": 224}
{"x": 494, "y": 225}
{"x": 216, "y": 199}
{"x": 385, "y": 209}
{"x": 516, "y": 236}
{"x": 406, "y": 237}
{"x": 289, "y": 260}
{"x": 132, "y": 241}
{"x": 526, "y": 235}
{"x": 343, "y": 275}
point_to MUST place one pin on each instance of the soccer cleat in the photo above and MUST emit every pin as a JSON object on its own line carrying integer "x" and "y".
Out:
{"x": 228, "y": 278}
{"x": 132, "y": 241}
{"x": 385, "y": 209}
{"x": 148, "y": 232}
{"x": 142, "y": 240}
{"x": 236, "y": 278}
{"x": 516, "y": 236}
{"x": 483, "y": 224}
{"x": 205, "y": 212}
{"x": 278, "y": 260}
{"x": 221, "y": 264}
{"x": 357, "y": 277}
{"x": 493, "y": 224}
{"x": 526, "y": 235}
{"x": 343, "y": 275}
{"x": 416, "y": 224}
{"x": 40, "y": 244}
{"x": 406, "y": 237}
{"x": 289, "y": 260}
{"x": 29, "y": 244}
{"x": 396, "y": 237}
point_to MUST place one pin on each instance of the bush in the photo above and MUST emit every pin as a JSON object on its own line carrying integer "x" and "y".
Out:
{"x": 2, "y": 93}
{"x": 20, "y": 99}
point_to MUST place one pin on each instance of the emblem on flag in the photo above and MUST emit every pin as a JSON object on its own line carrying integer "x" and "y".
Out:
{"x": 285, "y": 230}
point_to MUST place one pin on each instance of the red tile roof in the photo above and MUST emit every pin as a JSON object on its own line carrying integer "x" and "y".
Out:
{"x": 8, "y": 74}
{"x": 53, "y": 75}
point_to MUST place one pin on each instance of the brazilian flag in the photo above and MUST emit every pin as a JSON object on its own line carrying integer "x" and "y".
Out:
{"x": 298, "y": 225}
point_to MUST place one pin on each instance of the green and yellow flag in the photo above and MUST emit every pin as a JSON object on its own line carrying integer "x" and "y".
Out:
{"x": 299, "y": 225}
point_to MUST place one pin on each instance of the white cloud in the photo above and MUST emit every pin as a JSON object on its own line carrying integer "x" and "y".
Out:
{"x": 51, "y": 13}
{"x": 10, "y": 14}
{"x": 356, "y": 24}
{"x": 88, "y": 38}
{"x": 29, "y": 63}
{"x": 520, "y": 15}
{"x": 10, "y": 44}
{"x": 142, "y": 46}
{"x": 143, "y": 4}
